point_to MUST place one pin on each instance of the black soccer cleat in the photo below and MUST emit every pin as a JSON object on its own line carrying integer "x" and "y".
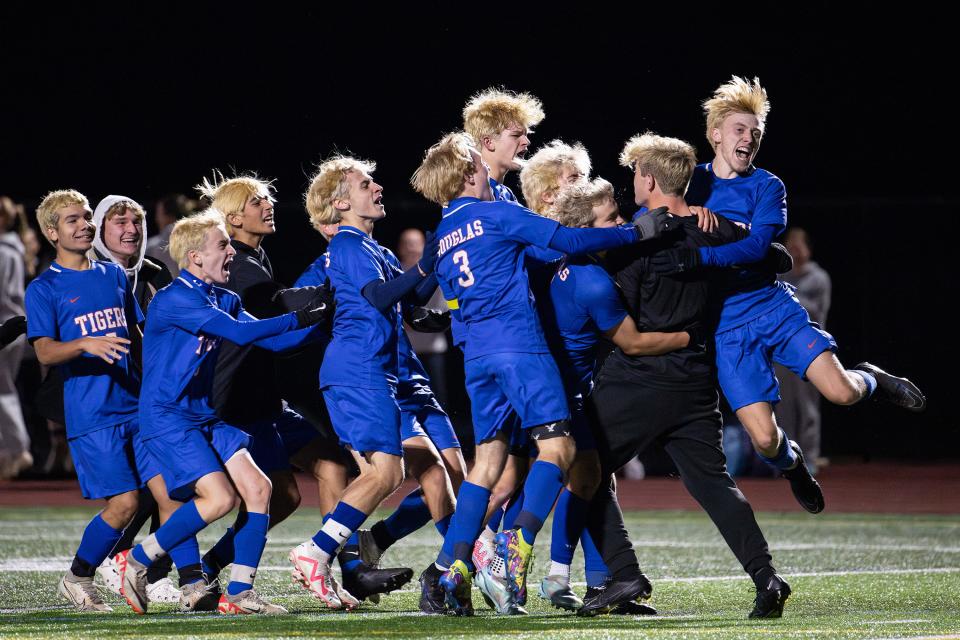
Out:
{"x": 432, "y": 595}
{"x": 600, "y": 600}
{"x": 770, "y": 600}
{"x": 805, "y": 489}
{"x": 898, "y": 391}
{"x": 368, "y": 581}
{"x": 633, "y": 608}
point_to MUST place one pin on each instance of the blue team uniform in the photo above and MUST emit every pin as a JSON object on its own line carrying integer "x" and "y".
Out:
{"x": 761, "y": 320}
{"x": 583, "y": 305}
{"x": 100, "y": 399}
{"x": 507, "y": 362}
{"x": 186, "y": 323}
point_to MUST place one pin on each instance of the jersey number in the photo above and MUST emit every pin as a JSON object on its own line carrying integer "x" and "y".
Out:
{"x": 460, "y": 258}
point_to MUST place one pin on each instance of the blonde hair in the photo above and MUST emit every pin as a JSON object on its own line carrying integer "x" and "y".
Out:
{"x": 119, "y": 207}
{"x": 491, "y": 111}
{"x": 440, "y": 177}
{"x": 189, "y": 234}
{"x": 47, "y": 216}
{"x": 574, "y": 204}
{"x": 736, "y": 96}
{"x": 230, "y": 195}
{"x": 330, "y": 183}
{"x": 541, "y": 173}
{"x": 670, "y": 161}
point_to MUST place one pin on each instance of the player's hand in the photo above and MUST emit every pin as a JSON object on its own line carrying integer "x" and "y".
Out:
{"x": 293, "y": 299}
{"x": 698, "y": 336}
{"x": 431, "y": 249}
{"x": 316, "y": 310}
{"x": 654, "y": 223}
{"x": 674, "y": 261}
{"x": 12, "y": 329}
{"x": 427, "y": 320}
{"x": 706, "y": 219}
{"x": 107, "y": 348}
{"x": 779, "y": 258}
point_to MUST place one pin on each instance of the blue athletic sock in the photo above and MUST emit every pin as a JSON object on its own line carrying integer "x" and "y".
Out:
{"x": 495, "y": 519}
{"x": 540, "y": 492}
{"x": 222, "y": 552}
{"x": 569, "y": 517}
{"x": 443, "y": 524}
{"x": 869, "y": 379}
{"x": 409, "y": 516}
{"x": 512, "y": 509}
{"x": 596, "y": 568}
{"x": 184, "y": 523}
{"x": 337, "y": 528}
{"x": 248, "y": 546}
{"x": 465, "y": 525}
{"x": 96, "y": 543}
{"x": 187, "y": 554}
{"x": 786, "y": 457}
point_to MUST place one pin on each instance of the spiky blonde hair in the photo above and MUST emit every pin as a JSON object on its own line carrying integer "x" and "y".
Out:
{"x": 330, "y": 183}
{"x": 189, "y": 233}
{"x": 230, "y": 195}
{"x": 736, "y": 96}
{"x": 574, "y": 204}
{"x": 491, "y": 111}
{"x": 47, "y": 216}
{"x": 669, "y": 160}
{"x": 440, "y": 177}
{"x": 541, "y": 173}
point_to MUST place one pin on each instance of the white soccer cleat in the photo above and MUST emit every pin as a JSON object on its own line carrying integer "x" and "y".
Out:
{"x": 248, "y": 602}
{"x": 82, "y": 594}
{"x": 314, "y": 574}
{"x": 483, "y": 553}
{"x": 133, "y": 581}
{"x": 163, "y": 591}
{"x": 109, "y": 574}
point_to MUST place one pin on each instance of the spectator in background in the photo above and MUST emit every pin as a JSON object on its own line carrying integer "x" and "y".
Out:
{"x": 14, "y": 441}
{"x": 798, "y": 412}
{"x": 431, "y": 348}
{"x": 167, "y": 211}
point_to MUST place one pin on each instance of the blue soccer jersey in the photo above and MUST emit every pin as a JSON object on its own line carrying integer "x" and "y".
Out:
{"x": 758, "y": 201}
{"x": 584, "y": 305}
{"x": 186, "y": 322}
{"x": 64, "y": 305}
{"x": 363, "y": 351}
{"x": 316, "y": 274}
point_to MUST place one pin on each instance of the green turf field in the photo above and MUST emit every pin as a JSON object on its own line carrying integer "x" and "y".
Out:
{"x": 853, "y": 576}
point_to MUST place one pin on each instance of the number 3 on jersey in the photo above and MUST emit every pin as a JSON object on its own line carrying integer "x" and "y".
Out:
{"x": 461, "y": 258}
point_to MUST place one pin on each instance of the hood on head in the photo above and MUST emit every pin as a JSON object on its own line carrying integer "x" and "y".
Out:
{"x": 99, "y": 216}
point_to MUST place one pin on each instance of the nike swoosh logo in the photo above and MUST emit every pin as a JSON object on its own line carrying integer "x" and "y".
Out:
{"x": 810, "y": 346}
{"x": 72, "y": 300}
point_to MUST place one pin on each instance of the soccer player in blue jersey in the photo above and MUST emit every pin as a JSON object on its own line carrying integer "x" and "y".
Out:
{"x": 201, "y": 457}
{"x": 762, "y": 321}
{"x": 359, "y": 374}
{"x": 508, "y": 364}
{"x": 79, "y": 311}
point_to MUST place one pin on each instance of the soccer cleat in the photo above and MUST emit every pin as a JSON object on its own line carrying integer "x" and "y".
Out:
{"x": 313, "y": 573}
{"x": 483, "y": 553}
{"x": 370, "y": 553}
{"x": 633, "y": 608}
{"x": 557, "y": 590}
{"x": 199, "y": 596}
{"x": 898, "y": 391}
{"x": 133, "y": 581}
{"x": 805, "y": 489}
{"x": 600, "y": 600}
{"x": 518, "y": 557}
{"x": 109, "y": 574}
{"x": 163, "y": 591}
{"x": 432, "y": 595}
{"x": 82, "y": 594}
{"x": 456, "y": 583}
{"x": 770, "y": 600}
{"x": 367, "y": 581}
{"x": 247, "y": 602}
{"x": 497, "y": 593}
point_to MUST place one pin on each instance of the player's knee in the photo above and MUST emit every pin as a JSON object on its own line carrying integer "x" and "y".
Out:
{"x": 284, "y": 500}
{"x": 222, "y": 503}
{"x": 122, "y": 508}
{"x": 585, "y": 477}
{"x": 257, "y": 492}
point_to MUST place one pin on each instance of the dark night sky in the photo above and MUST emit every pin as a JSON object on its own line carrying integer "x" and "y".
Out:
{"x": 147, "y": 101}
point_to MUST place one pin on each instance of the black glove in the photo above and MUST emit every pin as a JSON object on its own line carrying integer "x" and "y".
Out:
{"x": 698, "y": 336}
{"x": 674, "y": 261}
{"x": 427, "y": 320}
{"x": 317, "y": 310}
{"x": 430, "y": 250}
{"x": 294, "y": 299}
{"x": 654, "y": 223}
{"x": 778, "y": 259}
{"x": 12, "y": 329}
